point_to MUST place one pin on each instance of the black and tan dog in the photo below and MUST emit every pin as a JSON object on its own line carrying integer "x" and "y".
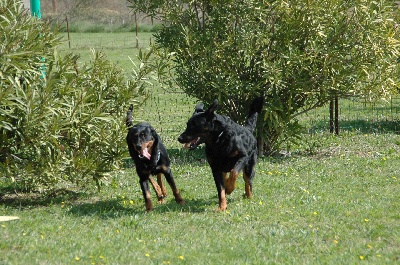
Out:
{"x": 151, "y": 158}
{"x": 230, "y": 147}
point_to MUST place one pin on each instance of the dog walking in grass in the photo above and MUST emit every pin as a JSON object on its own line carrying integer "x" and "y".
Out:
{"x": 230, "y": 147}
{"x": 151, "y": 158}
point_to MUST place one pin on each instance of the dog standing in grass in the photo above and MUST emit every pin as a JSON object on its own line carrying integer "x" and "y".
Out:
{"x": 151, "y": 158}
{"x": 230, "y": 147}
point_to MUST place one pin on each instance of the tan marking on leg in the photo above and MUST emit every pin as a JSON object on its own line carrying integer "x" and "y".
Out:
{"x": 161, "y": 184}
{"x": 149, "y": 205}
{"x": 225, "y": 177}
{"x": 247, "y": 187}
{"x": 157, "y": 189}
{"x": 223, "y": 205}
{"x": 178, "y": 197}
{"x": 230, "y": 184}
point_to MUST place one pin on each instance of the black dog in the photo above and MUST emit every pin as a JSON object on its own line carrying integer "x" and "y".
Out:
{"x": 230, "y": 147}
{"x": 151, "y": 158}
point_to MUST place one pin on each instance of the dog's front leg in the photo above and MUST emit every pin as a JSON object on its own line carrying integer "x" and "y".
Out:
{"x": 144, "y": 185}
{"x": 158, "y": 189}
{"x": 168, "y": 176}
{"x": 219, "y": 182}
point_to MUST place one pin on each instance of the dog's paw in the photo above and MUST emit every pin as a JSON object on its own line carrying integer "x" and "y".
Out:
{"x": 221, "y": 209}
{"x": 180, "y": 201}
{"x": 161, "y": 199}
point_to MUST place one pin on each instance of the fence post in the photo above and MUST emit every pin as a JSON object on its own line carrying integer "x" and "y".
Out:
{"x": 334, "y": 115}
{"x": 69, "y": 39}
{"x": 136, "y": 29}
{"x": 331, "y": 124}
{"x": 35, "y": 8}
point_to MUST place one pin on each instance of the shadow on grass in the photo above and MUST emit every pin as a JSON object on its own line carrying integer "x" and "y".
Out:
{"x": 115, "y": 208}
{"x": 22, "y": 200}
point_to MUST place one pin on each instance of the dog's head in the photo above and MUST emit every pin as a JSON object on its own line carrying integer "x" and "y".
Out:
{"x": 198, "y": 126}
{"x": 142, "y": 137}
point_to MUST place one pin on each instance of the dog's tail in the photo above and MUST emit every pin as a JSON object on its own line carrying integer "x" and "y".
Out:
{"x": 255, "y": 109}
{"x": 128, "y": 121}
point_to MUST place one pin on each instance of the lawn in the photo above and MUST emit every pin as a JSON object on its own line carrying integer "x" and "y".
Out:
{"x": 334, "y": 200}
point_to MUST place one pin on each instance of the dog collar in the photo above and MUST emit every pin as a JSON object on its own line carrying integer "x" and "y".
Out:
{"x": 158, "y": 156}
{"x": 219, "y": 136}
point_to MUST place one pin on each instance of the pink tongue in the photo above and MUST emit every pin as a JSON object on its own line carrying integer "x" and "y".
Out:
{"x": 146, "y": 153}
{"x": 187, "y": 145}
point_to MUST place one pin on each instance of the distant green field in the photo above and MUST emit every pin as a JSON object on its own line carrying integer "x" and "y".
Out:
{"x": 119, "y": 47}
{"x": 334, "y": 200}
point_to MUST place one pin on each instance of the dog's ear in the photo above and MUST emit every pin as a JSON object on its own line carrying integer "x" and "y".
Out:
{"x": 199, "y": 108}
{"x": 212, "y": 108}
{"x": 153, "y": 133}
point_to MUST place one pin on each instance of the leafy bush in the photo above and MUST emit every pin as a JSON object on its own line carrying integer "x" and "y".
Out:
{"x": 295, "y": 53}
{"x": 59, "y": 124}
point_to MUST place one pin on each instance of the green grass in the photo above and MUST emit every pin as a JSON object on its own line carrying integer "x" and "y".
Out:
{"x": 335, "y": 200}
{"x": 120, "y": 47}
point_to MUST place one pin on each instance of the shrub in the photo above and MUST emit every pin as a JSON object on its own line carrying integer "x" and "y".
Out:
{"x": 295, "y": 53}
{"x": 59, "y": 125}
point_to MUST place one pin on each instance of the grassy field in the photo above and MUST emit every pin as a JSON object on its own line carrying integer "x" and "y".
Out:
{"x": 335, "y": 200}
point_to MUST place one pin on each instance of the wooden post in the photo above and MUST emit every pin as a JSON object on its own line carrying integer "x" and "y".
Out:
{"x": 331, "y": 123}
{"x": 55, "y": 5}
{"x": 336, "y": 115}
{"x": 69, "y": 39}
{"x": 136, "y": 25}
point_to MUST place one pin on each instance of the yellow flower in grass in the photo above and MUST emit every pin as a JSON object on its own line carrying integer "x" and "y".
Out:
{"x": 181, "y": 257}
{"x": 147, "y": 255}
{"x": 362, "y": 257}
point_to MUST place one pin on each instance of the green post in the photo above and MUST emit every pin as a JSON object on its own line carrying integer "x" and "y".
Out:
{"x": 35, "y": 11}
{"x": 35, "y": 8}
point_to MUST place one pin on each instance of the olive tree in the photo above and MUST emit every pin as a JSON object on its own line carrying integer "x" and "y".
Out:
{"x": 297, "y": 54}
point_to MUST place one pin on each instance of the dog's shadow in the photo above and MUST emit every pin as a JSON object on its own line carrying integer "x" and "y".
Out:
{"x": 114, "y": 208}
